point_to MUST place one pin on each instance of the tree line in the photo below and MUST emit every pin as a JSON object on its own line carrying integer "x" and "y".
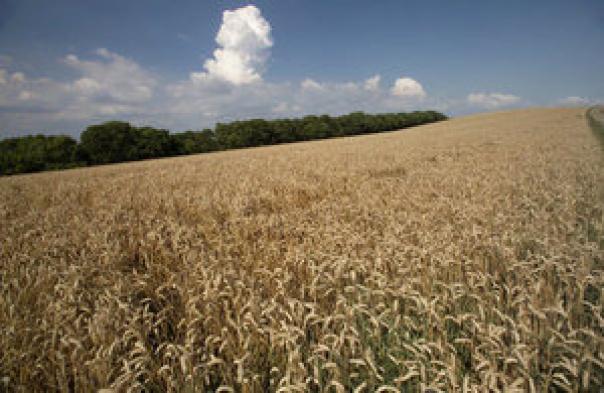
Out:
{"x": 118, "y": 141}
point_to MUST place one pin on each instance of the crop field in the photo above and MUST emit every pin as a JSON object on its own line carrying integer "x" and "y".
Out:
{"x": 460, "y": 256}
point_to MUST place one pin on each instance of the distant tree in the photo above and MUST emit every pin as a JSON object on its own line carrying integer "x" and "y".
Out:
{"x": 113, "y": 141}
{"x": 283, "y": 130}
{"x": 315, "y": 127}
{"x": 192, "y": 142}
{"x": 151, "y": 142}
{"x": 59, "y": 152}
{"x": 225, "y": 137}
{"x": 117, "y": 141}
{"x": 36, "y": 153}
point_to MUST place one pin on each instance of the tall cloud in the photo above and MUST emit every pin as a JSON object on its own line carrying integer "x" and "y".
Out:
{"x": 244, "y": 41}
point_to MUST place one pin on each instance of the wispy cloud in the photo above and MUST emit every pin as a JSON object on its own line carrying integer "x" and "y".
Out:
{"x": 492, "y": 100}
{"x": 576, "y": 101}
{"x": 111, "y": 78}
{"x": 183, "y": 37}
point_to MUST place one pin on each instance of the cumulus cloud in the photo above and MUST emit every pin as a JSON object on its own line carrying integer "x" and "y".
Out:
{"x": 309, "y": 84}
{"x": 19, "y": 93}
{"x": 373, "y": 83}
{"x": 107, "y": 86}
{"x": 26, "y": 95}
{"x": 407, "y": 88}
{"x": 244, "y": 40}
{"x": 285, "y": 108}
{"x": 112, "y": 77}
{"x": 27, "y": 105}
{"x": 18, "y": 77}
{"x": 492, "y": 100}
{"x": 209, "y": 101}
{"x": 365, "y": 95}
{"x": 575, "y": 101}
{"x": 185, "y": 104}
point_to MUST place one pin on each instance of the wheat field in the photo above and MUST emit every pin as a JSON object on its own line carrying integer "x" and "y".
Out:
{"x": 460, "y": 256}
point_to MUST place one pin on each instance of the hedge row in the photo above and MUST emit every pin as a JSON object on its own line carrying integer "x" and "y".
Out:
{"x": 118, "y": 141}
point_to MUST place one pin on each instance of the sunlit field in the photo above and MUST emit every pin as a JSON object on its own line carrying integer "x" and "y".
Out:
{"x": 457, "y": 256}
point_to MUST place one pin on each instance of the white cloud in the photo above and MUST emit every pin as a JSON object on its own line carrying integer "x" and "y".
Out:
{"x": 408, "y": 88}
{"x": 282, "y": 107}
{"x": 87, "y": 86}
{"x": 285, "y": 108}
{"x": 492, "y": 100}
{"x": 17, "y": 90}
{"x": 103, "y": 52}
{"x": 26, "y": 95}
{"x": 18, "y": 77}
{"x": 108, "y": 87}
{"x": 373, "y": 83}
{"x": 309, "y": 84}
{"x": 244, "y": 40}
{"x": 114, "y": 78}
{"x": 575, "y": 101}
{"x": 208, "y": 101}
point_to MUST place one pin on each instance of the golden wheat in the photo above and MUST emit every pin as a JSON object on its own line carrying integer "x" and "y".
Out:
{"x": 460, "y": 256}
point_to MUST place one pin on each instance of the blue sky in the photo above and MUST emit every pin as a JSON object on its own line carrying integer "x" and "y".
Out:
{"x": 188, "y": 64}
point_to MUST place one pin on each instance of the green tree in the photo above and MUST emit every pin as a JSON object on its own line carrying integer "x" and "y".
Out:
{"x": 191, "y": 142}
{"x": 36, "y": 153}
{"x": 112, "y": 141}
{"x": 151, "y": 142}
